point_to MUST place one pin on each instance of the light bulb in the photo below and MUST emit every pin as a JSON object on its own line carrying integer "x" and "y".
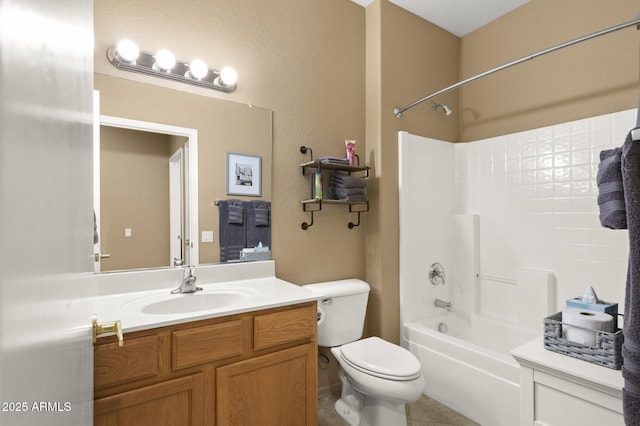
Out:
{"x": 165, "y": 60}
{"x": 228, "y": 76}
{"x": 127, "y": 50}
{"x": 197, "y": 69}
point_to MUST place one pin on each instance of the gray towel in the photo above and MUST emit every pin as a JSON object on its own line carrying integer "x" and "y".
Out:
{"x": 261, "y": 212}
{"x": 236, "y": 211}
{"x": 610, "y": 190}
{"x": 347, "y": 188}
{"x": 345, "y": 192}
{"x": 631, "y": 332}
{"x": 232, "y": 236}
{"x": 349, "y": 181}
{"x": 348, "y": 194}
{"x": 257, "y": 234}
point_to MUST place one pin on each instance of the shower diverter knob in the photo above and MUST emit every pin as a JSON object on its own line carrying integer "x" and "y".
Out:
{"x": 436, "y": 274}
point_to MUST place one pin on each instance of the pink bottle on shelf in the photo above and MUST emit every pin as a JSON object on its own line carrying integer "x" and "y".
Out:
{"x": 351, "y": 151}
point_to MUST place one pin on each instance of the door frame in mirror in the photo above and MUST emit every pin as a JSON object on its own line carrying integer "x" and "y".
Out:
{"x": 191, "y": 184}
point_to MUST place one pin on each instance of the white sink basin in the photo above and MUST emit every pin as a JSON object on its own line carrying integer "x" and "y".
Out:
{"x": 169, "y": 304}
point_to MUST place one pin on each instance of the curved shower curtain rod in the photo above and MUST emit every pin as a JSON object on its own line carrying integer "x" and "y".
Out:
{"x": 397, "y": 111}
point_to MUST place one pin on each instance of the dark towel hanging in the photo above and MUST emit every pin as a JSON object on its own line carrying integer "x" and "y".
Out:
{"x": 232, "y": 235}
{"x": 258, "y": 224}
{"x": 631, "y": 328}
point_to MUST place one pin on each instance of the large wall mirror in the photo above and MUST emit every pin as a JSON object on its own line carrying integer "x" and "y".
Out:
{"x": 151, "y": 137}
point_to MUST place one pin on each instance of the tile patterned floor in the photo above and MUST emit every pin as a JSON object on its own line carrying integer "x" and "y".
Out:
{"x": 423, "y": 412}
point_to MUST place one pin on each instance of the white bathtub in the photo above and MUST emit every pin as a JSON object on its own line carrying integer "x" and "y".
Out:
{"x": 476, "y": 376}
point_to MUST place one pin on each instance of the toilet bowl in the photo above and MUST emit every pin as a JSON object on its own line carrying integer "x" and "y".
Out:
{"x": 379, "y": 368}
{"x": 378, "y": 378}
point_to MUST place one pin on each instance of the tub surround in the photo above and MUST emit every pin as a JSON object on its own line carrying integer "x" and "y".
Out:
{"x": 123, "y": 295}
{"x": 554, "y": 385}
{"x": 498, "y": 208}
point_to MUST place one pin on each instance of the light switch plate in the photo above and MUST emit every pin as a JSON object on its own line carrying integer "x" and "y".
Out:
{"x": 207, "y": 236}
{"x": 127, "y": 232}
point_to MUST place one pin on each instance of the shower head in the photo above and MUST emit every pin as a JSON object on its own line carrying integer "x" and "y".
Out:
{"x": 446, "y": 109}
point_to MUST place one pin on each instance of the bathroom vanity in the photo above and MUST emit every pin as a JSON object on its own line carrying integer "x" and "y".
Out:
{"x": 251, "y": 363}
{"x": 559, "y": 390}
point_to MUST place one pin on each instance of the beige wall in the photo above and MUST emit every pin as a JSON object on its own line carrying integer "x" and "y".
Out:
{"x": 408, "y": 57}
{"x": 134, "y": 193}
{"x": 592, "y": 78}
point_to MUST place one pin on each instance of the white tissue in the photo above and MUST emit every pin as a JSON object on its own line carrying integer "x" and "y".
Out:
{"x": 590, "y": 296}
{"x": 586, "y": 323}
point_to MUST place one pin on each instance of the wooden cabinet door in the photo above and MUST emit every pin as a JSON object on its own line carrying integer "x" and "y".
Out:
{"x": 174, "y": 402}
{"x": 277, "y": 389}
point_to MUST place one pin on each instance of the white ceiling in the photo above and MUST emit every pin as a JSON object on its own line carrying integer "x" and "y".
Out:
{"x": 459, "y": 17}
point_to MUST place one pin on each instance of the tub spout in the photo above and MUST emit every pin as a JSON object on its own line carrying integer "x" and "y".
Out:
{"x": 442, "y": 304}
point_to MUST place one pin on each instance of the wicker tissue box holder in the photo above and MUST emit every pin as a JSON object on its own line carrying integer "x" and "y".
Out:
{"x": 607, "y": 351}
{"x": 257, "y": 255}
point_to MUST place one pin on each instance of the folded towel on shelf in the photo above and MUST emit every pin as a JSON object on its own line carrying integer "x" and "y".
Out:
{"x": 236, "y": 212}
{"x": 333, "y": 160}
{"x": 345, "y": 192}
{"x": 631, "y": 328}
{"x": 610, "y": 190}
{"x": 356, "y": 198}
{"x": 346, "y": 187}
{"x": 349, "y": 181}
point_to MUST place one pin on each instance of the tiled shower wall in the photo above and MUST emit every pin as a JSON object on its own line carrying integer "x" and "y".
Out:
{"x": 535, "y": 193}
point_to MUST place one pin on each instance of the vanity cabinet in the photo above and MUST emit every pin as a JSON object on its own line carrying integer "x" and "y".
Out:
{"x": 557, "y": 390}
{"x": 255, "y": 368}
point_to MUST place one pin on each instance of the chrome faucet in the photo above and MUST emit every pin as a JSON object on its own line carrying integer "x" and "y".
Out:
{"x": 442, "y": 304}
{"x": 188, "y": 284}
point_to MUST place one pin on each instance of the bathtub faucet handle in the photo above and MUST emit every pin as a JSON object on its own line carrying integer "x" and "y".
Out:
{"x": 436, "y": 274}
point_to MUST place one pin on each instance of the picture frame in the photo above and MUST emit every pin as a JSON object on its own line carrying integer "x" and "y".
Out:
{"x": 244, "y": 174}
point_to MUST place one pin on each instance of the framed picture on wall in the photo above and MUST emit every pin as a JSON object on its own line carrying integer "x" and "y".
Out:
{"x": 244, "y": 174}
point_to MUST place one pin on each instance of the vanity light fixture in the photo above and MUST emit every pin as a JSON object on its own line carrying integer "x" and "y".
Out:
{"x": 126, "y": 56}
{"x": 198, "y": 70}
{"x": 165, "y": 61}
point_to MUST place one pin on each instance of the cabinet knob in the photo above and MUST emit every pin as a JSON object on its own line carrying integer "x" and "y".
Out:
{"x": 107, "y": 327}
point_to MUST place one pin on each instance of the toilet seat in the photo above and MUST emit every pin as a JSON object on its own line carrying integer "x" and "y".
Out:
{"x": 382, "y": 359}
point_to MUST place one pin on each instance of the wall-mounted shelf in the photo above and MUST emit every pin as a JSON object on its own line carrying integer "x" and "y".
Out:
{"x": 326, "y": 165}
{"x": 312, "y": 205}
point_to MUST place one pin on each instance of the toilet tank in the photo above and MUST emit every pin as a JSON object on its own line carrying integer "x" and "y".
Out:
{"x": 341, "y": 310}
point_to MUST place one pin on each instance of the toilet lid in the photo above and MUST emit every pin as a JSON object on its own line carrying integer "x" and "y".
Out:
{"x": 380, "y": 358}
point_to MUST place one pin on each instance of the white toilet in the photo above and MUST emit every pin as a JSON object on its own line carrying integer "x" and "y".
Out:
{"x": 378, "y": 378}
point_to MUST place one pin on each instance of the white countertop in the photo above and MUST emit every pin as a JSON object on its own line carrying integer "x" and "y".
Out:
{"x": 125, "y": 295}
{"x": 534, "y": 355}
